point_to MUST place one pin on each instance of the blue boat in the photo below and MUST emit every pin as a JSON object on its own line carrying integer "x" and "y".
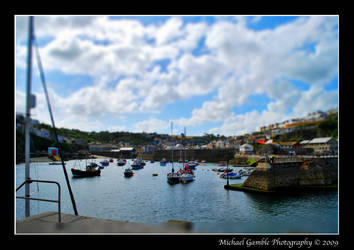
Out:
{"x": 136, "y": 165}
{"x": 104, "y": 163}
{"x": 163, "y": 162}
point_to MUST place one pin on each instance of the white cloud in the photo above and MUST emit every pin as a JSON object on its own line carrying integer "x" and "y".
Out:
{"x": 239, "y": 63}
{"x": 260, "y": 60}
{"x": 246, "y": 123}
{"x": 169, "y": 31}
{"x": 152, "y": 125}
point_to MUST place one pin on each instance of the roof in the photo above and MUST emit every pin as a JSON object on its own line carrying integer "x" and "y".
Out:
{"x": 321, "y": 140}
{"x": 127, "y": 149}
{"x": 292, "y": 143}
{"x": 305, "y": 142}
{"x": 246, "y": 147}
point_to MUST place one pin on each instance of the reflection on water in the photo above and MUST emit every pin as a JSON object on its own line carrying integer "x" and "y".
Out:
{"x": 205, "y": 202}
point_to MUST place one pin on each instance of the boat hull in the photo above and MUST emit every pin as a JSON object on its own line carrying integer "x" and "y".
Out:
{"x": 128, "y": 174}
{"x": 184, "y": 178}
{"x": 173, "y": 180}
{"x": 136, "y": 167}
{"x": 80, "y": 173}
{"x": 237, "y": 176}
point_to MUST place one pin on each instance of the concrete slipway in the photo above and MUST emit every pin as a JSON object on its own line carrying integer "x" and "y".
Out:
{"x": 47, "y": 223}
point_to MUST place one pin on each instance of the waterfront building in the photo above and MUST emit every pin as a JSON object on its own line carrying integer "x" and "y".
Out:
{"x": 246, "y": 149}
{"x": 101, "y": 147}
{"x": 324, "y": 145}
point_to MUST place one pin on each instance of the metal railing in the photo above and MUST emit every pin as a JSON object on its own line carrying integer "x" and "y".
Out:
{"x": 39, "y": 199}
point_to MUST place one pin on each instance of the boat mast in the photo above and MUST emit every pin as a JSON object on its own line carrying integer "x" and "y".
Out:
{"x": 185, "y": 152}
{"x": 172, "y": 146}
{"x": 29, "y": 105}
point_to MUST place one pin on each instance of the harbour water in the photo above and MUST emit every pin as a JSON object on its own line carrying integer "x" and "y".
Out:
{"x": 204, "y": 202}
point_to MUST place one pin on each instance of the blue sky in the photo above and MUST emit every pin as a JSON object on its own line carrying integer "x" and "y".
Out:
{"x": 225, "y": 75}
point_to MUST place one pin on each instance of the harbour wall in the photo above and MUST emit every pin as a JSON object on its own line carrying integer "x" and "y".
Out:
{"x": 293, "y": 175}
{"x": 209, "y": 155}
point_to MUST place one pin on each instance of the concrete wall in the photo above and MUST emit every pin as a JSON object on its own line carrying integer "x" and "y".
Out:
{"x": 210, "y": 155}
{"x": 315, "y": 172}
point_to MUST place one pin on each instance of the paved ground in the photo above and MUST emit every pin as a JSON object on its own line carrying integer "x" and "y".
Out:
{"x": 47, "y": 223}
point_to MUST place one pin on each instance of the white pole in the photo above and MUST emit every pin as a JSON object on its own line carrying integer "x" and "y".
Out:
{"x": 28, "y": 117}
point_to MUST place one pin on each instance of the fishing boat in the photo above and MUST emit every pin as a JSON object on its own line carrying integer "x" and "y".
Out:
{"x": 128, "y": 172}
{"x": 91, "y": 170}
{"x": 121, "y": 162}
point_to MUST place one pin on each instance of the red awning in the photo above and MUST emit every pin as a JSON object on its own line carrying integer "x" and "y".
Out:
{"x": 260, "y": 141}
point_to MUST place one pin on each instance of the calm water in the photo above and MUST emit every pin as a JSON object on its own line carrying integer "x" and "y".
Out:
{"x": 205, "y": 202}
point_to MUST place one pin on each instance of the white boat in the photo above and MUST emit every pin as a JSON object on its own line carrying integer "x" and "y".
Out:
{"x": 185, "y": 177}
{"x": 230, "y": 176}
{"x": 245, "y": 172}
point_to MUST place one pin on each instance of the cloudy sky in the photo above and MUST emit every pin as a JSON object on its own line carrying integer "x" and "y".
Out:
{"x": 212, "y": 74}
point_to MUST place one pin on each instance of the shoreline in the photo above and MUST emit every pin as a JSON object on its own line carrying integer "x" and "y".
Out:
{"x": 48, "y": 159}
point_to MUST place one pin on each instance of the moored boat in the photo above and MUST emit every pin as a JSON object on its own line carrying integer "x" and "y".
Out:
{"x": 137, "y": 165}
{"x": 104, "y": 163}
{"x": 128, "y": 172}
{"x": 222, "y": 169}
{"x": 230, "y": 175}
{"x": 186, "y": 177}
{"x": 91, "y": 170}
{"x": 163, "y": 162}
{"x": 245, "y": 172}
{"x": 191, "y": 165}
{"x": 121, "y": 162}
{"x": 55, "y": 163}
{"x": 173, "y": 178}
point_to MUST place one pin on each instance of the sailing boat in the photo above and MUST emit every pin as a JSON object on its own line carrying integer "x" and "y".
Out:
{"x": 172, "y": 177}
{"x": 186, "y": 175}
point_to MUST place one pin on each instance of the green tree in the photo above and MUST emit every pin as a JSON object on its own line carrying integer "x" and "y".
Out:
{"x": 328, "y": 127}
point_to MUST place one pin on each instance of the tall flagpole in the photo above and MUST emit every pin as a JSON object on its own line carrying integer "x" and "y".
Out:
{"x": 28, "y": 117}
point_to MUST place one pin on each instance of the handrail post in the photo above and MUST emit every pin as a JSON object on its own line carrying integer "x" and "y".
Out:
{"x": 44, "y": 181}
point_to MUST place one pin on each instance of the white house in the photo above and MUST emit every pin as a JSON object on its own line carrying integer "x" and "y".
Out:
{"x": 246, "y": 149}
